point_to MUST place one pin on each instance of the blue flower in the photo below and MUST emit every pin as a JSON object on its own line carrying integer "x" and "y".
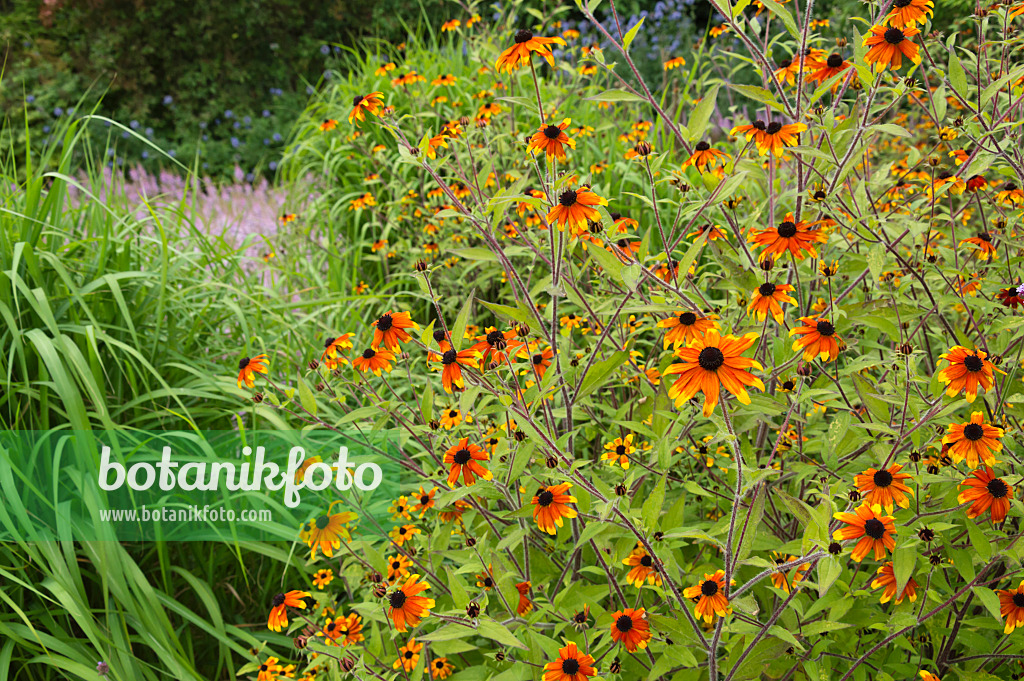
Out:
{"x": 249, "y": 177}
{"x": 277, "y": 137}
{"x": 58, "y": 112}
{"x": 247, "y": 120}
{"x": 235, "y": 143}
{"x": 266, "y": 141}
{"x": 149, "y": 132}
{"x": 266, "y": 113}
{"x": 202, "y": 125}
{"x": 229, "y": 113}
{"x": 325, "y": 49}
{"x": 145, "y": 154}
{"x": 168, "y": 100}
{"x": 134, "y": 125}
{"x": 236, "y": 125}
{"x": 46, "y": 128}
{"x": 30, "y": 98}
{"x": 272, "y": 165}
{"x": 171, "y": 153}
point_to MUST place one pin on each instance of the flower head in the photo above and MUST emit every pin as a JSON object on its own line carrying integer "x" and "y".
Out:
{"x": 406, "y": 606}
{"x": 711, "y": 362}
{"x": 710, "y": 595}
{"x": 526, "y": 44}
{"x": 874, "y": 530}
{"x": 973, "y": 440}
{"x": 551, "y": 505}
{"x": 986, "y": 492}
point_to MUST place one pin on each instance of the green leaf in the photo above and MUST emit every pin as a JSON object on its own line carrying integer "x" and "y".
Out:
{"x": 783, "y": 14}
{"x": 599, "y": 372}
{"x": 631, "y": 34}
{"x": 903, "y": 560}
{"x": 957, "y": 75}
{"x": 990, "y": 600}
{"x": 758, "y": 94}
{"x": 427, "y": 403}
{"x": 616, "y": 96}
{"x": 652, "y": 505}
{"x": 829, "y": 570}
{"x": 979, "y": 540}
{"x": 751, "y": 521}
{"x": 306, "y": 397}
{"x": 459, "y": 595}
{"x": 698, "y": 122}
{"x": 461, "y": 321}
{"x": 499, "y": 633}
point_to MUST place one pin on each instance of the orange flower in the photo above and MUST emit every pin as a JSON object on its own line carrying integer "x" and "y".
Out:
{"x": 772, "y": 136}
{"x": 451, "y": 374}
{"x": 986, "y": 249}
{"x": 887, "y": 578}
{"x": 875, "y": 531}
{"x": 331, "y": 356}
{"x": 642, "y": 568}
{"x": 374, "y": 360}
{"x": 540, "y": 362}
{"x": 685, "y": 326}
{"x": 248, "y": 366}
{"x": 711, "y": 362}
{"x": 575, "y": 207}
{"x": 525, "y": 605}
{"x": 407, "y": 606}
{"x": 786, "y": 581}
{"x": 967, "y": 370}
{"x": 767, "y": 298}
{"x": 463, "y": 458}
{"x": 704, "y": 156}
{"x": 710, "y": 593}
{"x": 279, "y": 608}
{"x": 550, "y": 505}
{"x": 821, "y": 72}
{"x": 630, "y": 628}
{"x": 884, "y": 487}
{"x": 495, "y": 346}
{"x": 817, "y": 339}
{"x": 526, "y": 44}
{"x": 571, "y": 665}
{"x": 907, "y": 13}
{"x": 328, "y": 125}
{"x": 973, "y": 440}
{"x": 986, "y": 491}
{"x": 552, "y": 140}
{"x": 791, "y": 235}
{"x": 366, "y": 104}
{"x": 1011, "y": 606}
{"x": 390, "y": 328}
{"x": 889, "y": 45}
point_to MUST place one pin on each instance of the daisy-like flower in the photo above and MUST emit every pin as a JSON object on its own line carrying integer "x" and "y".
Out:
{"x": 450, "y": 418}
{"x": 889, "y": 45}
{"x": 630, "y": 628}
{"x": 495, "y": 346}
{"x": 618, "y": 451}
{"x": 398, "y": 566}
{"x": 711, "y": 362}
{"x": 384, "y": 69}
{"x": 953, "y": 183}
{"x": 403, "y": 533}
{"x": 967, "y": 370}
{"x": 351, "y": 631}
{"x": 874, "y": 530}
{"x": 328, "y": 125}
{"x": 985, "y": 491}
{"x": 791, "y": 235}
{"x": 786, "y": 71}
{"x": 907, "y": 13}
{"x": 463, "y": 459}
{"x": 390, "y": 329}
{"x": 400, "y": 509}
{"x": 485, "y": 579}
{"x": 540, "y": 361}
{"x": 270, "y": 670}
{"x": 704, "y": 156}
{"x": 1010, "y": 297}
{"x": 817, "y": 339}
{"x": 333, "y": 346}
{"x": 571, "y": 665}
{"x": 451, "y": 373}
{"x": 248, "y": 367}
{"x": 674, "y": 63}
{"x": 575, "y": 207}
{"x": 684, "y": 326}
{"x": 787, "y": 581}
{"x": 769, "y": 297}
{"x": 973, "y": 440}
{"x": 1010, "y": 195}
{"x": 366, "y": 104}
{"x": 279, "y": 608}
{"x": 822, "y": 71}
{"x": 441, "y": 668}
{"x": 884, "y": 487}
{"x": 887, "y": 578}
{"x": 450, "y": 25}
{"x": 323, "y": 577}
{"x": 525, "y": 44}
{"x": 551, "y": 504}
{"x": 424, "y": 501}
{"x": 374, "y": 360}
{"x": 928, "y": 676}
{"x": 1011, "y": 606}
{"x": 326, "y": 532}
{"x": 641, "y": 566}
{"x": 710, "y": 593}
{"x": 983, "y": 242}
{"x": 408, "y": 655}
{"x": 287, "y": 217}
{"x": 772, "y": 136}
{"x": 407, "y": 606}
{"x": 525, "y": 605}
{"x": 552, "y": 140}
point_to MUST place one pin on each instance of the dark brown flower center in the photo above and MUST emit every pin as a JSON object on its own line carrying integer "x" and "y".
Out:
{"x": 893, "y": 36}
{"x": 688, "y": 319}
{"x": 570, "y": 666}
{"x": 874, "y": 528}
{"x": 620, "y": 450}
{"x": 825, "y": 327}
{"x": 624, "y": 623}
{"x": 973, "y": 363}
{"x": 758, "y": 124}
{"x": 1018, "y": 600}
{"x": 766, "y": 290}
{"x": 568, "y": 198}
{"x": 244, "y": 362}
{"x": 368, "y": 353}
{"x": 901, "y": 3}
{"x": 277, "y": 601}
{"x": 329, "y": 342}
{"x": 710, "y": 359}
{"x": 537, "y": 359}
{"x": 787, "y": 385}
{"x": 385, "y": 322}
{"x": 784, "y": 64}
{"x": 545, "y": 498}
{"x": 322, "y": 522}
{"x": 882, "y": 478}
{"x": 462, "y": 457}
{"x": 709, "y": 588}
{"x": 702, "y": 146}
{"x": 773, "y": 127}
{"x": 787, "y": 229}
{"x": 834, "y": 61}
{"x": 439, "y": 335}
{"x": 972, "y": 431}
{"x": 997, "y": 488}
{"x": 449, "y": 357}
{"x": 495, "y": 337}
{"x": 523, "y": 35}
{"x": 357, "y": 100}
{"x": 646, "y": 561}
{"x": 552, "y": 132}
{"x": 424, "y": 500}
